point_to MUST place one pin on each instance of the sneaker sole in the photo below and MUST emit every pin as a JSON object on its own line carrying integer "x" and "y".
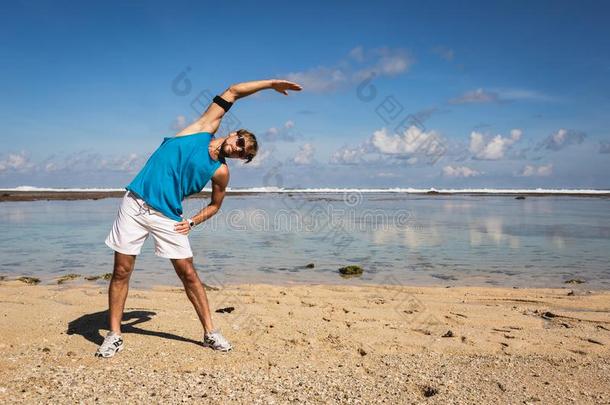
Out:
{"x": 218, "y": 350}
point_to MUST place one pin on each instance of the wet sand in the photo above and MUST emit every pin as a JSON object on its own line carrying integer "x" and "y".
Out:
{"x": 310, "y": 344}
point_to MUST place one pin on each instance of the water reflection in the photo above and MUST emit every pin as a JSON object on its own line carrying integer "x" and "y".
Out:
{"x": 269, "y": 239}
{"x": 491, "y": 228}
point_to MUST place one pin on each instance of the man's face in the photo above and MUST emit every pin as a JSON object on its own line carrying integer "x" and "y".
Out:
{"x": 230, "y": 148}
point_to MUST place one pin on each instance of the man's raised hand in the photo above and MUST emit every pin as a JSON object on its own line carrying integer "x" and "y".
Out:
{"x": 282, "y": 86}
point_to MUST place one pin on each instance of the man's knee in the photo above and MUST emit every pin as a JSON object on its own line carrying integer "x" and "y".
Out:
{"x": 185, "y": 270}
{"x": 122, "y": 269}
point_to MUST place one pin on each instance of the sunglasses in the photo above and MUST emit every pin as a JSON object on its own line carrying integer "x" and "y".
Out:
{"x": 241, "y": 143}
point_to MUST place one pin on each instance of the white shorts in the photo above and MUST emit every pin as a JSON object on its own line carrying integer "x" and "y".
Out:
{"x": 136, "y": 220}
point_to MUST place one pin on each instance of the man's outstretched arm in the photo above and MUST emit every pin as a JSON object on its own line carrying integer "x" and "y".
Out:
{"x": 210, "y": 119}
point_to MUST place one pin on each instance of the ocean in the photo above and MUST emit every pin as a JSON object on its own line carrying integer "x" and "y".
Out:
{"x": 399, "y": 236}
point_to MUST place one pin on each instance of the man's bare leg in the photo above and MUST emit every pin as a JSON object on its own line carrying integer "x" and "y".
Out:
{"x": 119, "y": 286}
{"x": 194, "y": 290}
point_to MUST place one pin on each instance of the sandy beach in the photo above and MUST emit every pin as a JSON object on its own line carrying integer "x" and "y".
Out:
{"x": 309, "y": 344}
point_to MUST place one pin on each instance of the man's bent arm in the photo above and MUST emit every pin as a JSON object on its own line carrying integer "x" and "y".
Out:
{"x": 220, "y": 181}
{"x": 210, "y": 119}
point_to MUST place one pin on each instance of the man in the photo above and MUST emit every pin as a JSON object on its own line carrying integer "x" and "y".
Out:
{"x": 181, "y": 166}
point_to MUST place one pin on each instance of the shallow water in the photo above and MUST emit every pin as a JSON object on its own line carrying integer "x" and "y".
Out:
{"x": 396, "y": 238}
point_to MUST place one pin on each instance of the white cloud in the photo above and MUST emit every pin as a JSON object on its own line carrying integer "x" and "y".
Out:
{"x": 412, "y": 146}
{"x": 357, "y": 54}
{"x": 524, "y": 94}
{"x": 500, "y": 95}
{"x": 392, "y": 62}
{"x": 87, "y": 162}
{"x": 305, "y": 154}
{"x": 386, "y": 62}
{"x": 476, "y": 96}
{"x": 460, "y": 171}
{"x": 537, "y": 171}
{"x": 358, "y": 64}
{"x": 494, "y": 148}
{"x": 348, "y": 156}
{"x": 412, "y": 140}
{"x": 179, "y": 123}
{"x": 51, "y": 167}
{"x": 320, "y": 79}
{"x": 561, "y": 139}
{"x": 387, "y": 174}
{"x": 130, "y": 163}
{"x": 19, "y": 162}
{"x": 286, "y": 133}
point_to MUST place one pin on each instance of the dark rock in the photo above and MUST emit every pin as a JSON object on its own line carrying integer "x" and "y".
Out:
{"x": 361, "y": 351}
{"x": 449, "y": 333}
{"x": 106, "y": 276}
{"x": 574, "y": 281}
{"x": 351, "y": 270}
{"x": 570, "y": 293}
{"x": 548, "y": 315}
{"x": 520, "y": 197}
{"x": 225, "y": 310}
{"x": 429, "y": 391}
{"x": 29, "y": 280}
{"x": 46, "y": 349}
{"x": 310, "y": 266}
{"x": 67, "y": 277}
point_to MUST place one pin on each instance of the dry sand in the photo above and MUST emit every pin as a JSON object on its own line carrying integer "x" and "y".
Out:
{"x": 309, "y": 344}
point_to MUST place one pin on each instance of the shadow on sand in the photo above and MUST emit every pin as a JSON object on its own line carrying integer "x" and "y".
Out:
{"x": 89, "y": 326}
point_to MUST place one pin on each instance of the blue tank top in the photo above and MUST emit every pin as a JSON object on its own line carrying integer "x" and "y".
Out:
{"x": 181, "y": 166}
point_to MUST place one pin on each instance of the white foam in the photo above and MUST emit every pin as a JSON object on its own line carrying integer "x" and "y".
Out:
{"x": 31, "y": 188}
{"x": 349, "y": 190}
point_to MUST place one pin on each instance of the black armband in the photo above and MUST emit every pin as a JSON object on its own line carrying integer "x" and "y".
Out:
{"x": 224, "y": 104}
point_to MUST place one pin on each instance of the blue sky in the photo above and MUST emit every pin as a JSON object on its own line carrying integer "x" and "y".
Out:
{"x": 396, "y": 94}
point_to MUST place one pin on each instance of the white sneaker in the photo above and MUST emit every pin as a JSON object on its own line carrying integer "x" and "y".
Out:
{"x": 216, "y": 341}
{"x": 113, "y": 343}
